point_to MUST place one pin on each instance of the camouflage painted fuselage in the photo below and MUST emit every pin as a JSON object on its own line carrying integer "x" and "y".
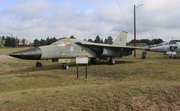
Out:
{"x": 71, "y": 48}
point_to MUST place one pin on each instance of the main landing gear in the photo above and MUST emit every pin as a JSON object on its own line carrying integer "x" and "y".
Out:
{"x": 111, "y": 61}
{"x": 93, "y": 60}
{"x": 65, "y": 66}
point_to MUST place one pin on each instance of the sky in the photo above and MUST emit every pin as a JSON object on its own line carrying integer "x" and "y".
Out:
{"x": 85, "y": 19}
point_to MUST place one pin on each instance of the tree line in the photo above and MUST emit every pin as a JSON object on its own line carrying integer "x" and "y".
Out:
{"x": 46, "y": 41}
{"x": 108, "y": 40}
{"x": 49, "y": 41}
{"x": 148, "y": 42}
{"x": 9, "y": 41}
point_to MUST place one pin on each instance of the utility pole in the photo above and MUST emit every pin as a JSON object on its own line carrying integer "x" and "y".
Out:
{"x": 134, "y": 30}
{"x": 135, "y": 27}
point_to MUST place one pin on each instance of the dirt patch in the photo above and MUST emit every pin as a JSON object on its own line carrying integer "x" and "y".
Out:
{"x": 4, "y": 57}
{"x": 147, "y": 104}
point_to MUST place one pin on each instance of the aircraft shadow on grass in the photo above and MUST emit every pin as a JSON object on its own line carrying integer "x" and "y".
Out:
{"x": 34, "y": 72}
{"x": 72, "y": 65}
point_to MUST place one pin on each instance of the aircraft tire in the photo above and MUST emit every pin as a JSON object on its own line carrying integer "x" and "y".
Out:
{"x": 63, "y": 66}
{"x": 112, "y": 61}
{"x": 66, "y": 67}
{"x": 38, "y": 64}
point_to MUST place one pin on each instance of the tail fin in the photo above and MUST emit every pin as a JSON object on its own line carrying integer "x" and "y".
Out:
{"x": 121, "y": 39}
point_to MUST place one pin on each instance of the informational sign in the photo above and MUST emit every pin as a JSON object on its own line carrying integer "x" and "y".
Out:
{"x": 81, "y": 59}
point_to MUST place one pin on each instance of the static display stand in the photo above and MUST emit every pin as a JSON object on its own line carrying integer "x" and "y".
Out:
{"x": 82, "y": 59}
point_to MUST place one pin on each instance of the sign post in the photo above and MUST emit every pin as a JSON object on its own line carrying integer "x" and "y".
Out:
{"x": 77, "y": 71}
{"x": 86, "y": 71}
{"x": 82, "y": 59}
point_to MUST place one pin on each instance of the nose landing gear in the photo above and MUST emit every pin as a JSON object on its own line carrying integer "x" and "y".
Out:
{"x": 65, "y": 66}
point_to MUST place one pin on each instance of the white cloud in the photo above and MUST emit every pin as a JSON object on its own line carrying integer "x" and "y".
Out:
{"x": 85, "y": 19}
{"x": 162, "y": 6}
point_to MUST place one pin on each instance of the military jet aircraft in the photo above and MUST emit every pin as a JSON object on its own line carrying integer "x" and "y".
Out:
{"x": 70, "y": 48}
{"x": 168, "y": 48}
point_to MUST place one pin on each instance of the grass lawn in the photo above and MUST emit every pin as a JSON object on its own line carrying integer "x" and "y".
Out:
{"x": 10, "y": 50}
{"x": 131, "y": 84}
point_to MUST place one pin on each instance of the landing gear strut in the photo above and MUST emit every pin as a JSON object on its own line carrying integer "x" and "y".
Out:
{"x": 65, "y": 66}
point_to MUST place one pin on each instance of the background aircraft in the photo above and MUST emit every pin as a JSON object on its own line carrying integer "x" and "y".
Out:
{"x": 70, "y": 48}
{"x": 172, "y": 48}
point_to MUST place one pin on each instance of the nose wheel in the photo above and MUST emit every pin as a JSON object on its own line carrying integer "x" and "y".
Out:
{"x": 65, "y": 66}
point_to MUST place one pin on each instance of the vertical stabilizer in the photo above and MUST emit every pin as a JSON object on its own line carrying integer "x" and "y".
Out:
{"x": 121, "y": 39}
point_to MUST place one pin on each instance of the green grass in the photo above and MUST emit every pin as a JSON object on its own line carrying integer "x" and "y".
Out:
{"x": 130, "y": 84}
{"x": 10, "y": 50}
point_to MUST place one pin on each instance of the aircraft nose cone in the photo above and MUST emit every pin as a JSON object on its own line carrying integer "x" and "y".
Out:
{"x": 30, "y": 54}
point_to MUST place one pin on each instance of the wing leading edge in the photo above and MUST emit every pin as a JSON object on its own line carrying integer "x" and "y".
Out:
{"x": 88, "y": 44}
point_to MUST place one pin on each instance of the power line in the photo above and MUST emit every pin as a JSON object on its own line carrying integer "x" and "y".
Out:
{"x": 122, "y": 13}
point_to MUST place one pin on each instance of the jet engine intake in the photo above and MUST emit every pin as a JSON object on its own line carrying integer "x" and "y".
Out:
{"x": 126, "y": 53}
{"x": 104, "y": 52}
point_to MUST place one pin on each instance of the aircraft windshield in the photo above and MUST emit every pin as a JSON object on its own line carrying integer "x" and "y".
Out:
{"x": 59, "y": 43}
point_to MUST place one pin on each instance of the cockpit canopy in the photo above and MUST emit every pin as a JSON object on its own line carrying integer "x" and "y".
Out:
{"x": 62, "y": 42}
{"x": 59, "y": 43}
